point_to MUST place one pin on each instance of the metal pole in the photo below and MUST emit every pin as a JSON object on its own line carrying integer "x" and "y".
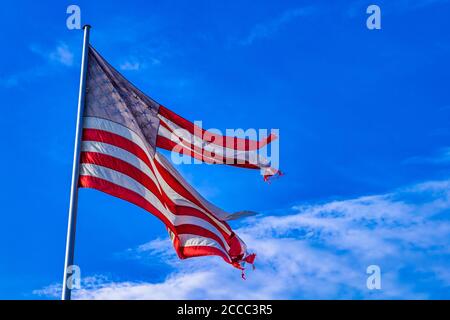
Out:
{"x": 71, "y": 226}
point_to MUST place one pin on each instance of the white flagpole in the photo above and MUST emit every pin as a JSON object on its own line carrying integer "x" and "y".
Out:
{"x": 71, "y": 227}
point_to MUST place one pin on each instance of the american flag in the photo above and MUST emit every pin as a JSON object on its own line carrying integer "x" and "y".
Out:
{"x": 122, "y": 128}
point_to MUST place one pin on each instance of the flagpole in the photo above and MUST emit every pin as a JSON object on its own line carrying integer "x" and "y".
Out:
{"x": 72, "y": 220}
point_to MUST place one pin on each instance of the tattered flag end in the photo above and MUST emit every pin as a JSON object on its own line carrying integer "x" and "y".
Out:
{"x": 269, "y": 177}
{"x": 250, "y": 259}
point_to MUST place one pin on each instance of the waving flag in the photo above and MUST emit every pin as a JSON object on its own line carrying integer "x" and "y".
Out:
{"x": 122, "y": 128}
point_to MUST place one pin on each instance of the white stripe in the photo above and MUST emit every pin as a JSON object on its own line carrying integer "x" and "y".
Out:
{"x": 192, "y": 240}
{"x": 106, "y": 125}
{"x": 119, "y": 153}
{"x": 164, "y": 132}
{"x": 224, "y": 152}
{"x": 129, "y": 183}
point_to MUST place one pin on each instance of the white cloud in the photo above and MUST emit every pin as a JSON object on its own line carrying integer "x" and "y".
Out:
{"x": 127, "y": 65}
{"x": 442, "y": 157}
{"x": 61, "y": 54}
{"x": 318, "y": 251}
{"x": 267, "y": 29}
{"x": 134, "y": 64}
{"x": 13, "y": 80}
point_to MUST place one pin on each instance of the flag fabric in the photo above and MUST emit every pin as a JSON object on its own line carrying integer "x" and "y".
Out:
{"x": 122, "y": 127}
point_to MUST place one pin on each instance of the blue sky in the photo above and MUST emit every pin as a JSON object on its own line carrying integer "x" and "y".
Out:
{"x": 364, "y": 142}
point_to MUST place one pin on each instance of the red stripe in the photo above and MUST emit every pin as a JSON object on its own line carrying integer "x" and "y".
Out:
{"x": 124, "y": 167}
{"x": 116, "y": 140}
{"x": 198, "y": 251}
{"x": 186, "y": 148}
{"x": 130, "y": 146}
{"x": 208, "y": 156}
{"x": 189, "y": 211}
{"x": 230, "y": 142}
{"x": 197, "y": 230}
{"x": 165, "y": 143}
{"x": 133, "y": 197}
{"x": 183, "y": 142}
{"x": 124, "y": 194}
